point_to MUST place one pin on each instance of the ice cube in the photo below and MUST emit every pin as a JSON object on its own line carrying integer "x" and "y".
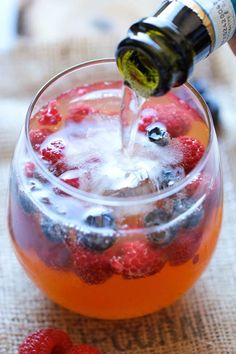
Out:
{"x": 133, "y": 183}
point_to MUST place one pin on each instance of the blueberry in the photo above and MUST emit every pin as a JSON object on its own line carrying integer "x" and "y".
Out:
{"x": 157, "y": 217}
{"x": 98, "y": 240}
{"x": 182, "y": 205}
{"x": 26, "y": 203}
{"x": 158, "y": 134}
{"x": 54, "y": 231}
{"x": 169, "y": 176}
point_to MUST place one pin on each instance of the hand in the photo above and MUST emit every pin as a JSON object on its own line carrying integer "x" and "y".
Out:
{"x": 232, "y": 44}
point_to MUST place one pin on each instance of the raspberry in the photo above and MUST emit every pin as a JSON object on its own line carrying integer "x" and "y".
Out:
{"x": 37, "y": 137}
{"x": 73, "y": 182}
{"x": 59, "y": 168}
{"x": 50, "y": 114}
{"x": 79, "y": 112}
{"x": 193, "y": 151}
{"x": 184, "y": 248}
{"x": 176, "y": 118}
{"x": 92, "y": 267}
{"x": 138, "y": 259}
{"x": 29, "y": 169}
{"x": 54, "y": 151}
{"x": 83, "y": 349}
{"x": 198, "y": 185}
{"x": 46, "y": 341}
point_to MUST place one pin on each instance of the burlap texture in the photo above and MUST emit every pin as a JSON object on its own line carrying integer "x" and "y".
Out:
{"x": 204, "y": 321}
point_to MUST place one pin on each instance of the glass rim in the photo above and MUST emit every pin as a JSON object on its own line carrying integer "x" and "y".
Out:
{"x": 109, "y": 200}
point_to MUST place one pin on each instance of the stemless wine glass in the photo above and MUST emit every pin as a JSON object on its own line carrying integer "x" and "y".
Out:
{"x": 46, "y": 218}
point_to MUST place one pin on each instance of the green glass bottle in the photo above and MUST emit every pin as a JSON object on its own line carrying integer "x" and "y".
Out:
{"x": 160, "y": 52}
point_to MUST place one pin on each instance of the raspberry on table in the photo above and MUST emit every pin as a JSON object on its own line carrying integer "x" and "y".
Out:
{"x": 37, "y": 137}
{"x": 92, "y": 267}
{"x": 83, "y": 349}
{"x": 192, "y": 150}
{"x": 54, "y": 151}
{"x": 50, "y": 114}
{"x": 137, "y": 259}
{"x": 46, "y": 341}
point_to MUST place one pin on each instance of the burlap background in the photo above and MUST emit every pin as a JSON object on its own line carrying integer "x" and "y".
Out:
{"x": 204, "y": 321}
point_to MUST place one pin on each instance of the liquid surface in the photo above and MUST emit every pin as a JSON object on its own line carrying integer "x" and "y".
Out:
{"x": 103, "y": 142}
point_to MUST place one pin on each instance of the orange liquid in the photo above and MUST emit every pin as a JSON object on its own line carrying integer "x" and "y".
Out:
{"x": 117, "y": 297}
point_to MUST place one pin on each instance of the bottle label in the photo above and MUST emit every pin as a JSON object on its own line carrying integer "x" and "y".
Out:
{"x": 219, "y": 17}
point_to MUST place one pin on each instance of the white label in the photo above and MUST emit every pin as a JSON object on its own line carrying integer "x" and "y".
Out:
{"x": 223, "y": 18}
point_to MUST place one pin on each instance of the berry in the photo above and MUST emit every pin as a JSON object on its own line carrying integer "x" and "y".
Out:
{"x": 83, "y": 349}
{"x": 157, "y": 134}
{"x": 198, "y": 185}
{"x": 53, "y": 231}
{"x": 79, "y": 112}
{"x": 54, "y": 151}
{"x": 184, "y": 248}
{"x": 53, "y": 255}
{"x": 176, "y": 117}
{"x": 26, "y": 203}
{"x": 29, "y": 169}
{"x": 73, "y": 182}
{"x": 182, "y": 205}
{"x": 37, "y": 137}
{"x": 102, "y": 239}
{"x": 46, "y": 341}
{"x": 92, "y": 267}
{"x": 169, "y": 176}
{"x": 192, "y": 150}
{"x": 59, "y": 168}
{"x": 157, "y": 217}
{"x": 50, "y": 114}
{"x": 138, "y": 259}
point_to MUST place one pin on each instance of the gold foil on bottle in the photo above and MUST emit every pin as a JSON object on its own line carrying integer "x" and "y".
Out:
{"x": 204, "y": 17}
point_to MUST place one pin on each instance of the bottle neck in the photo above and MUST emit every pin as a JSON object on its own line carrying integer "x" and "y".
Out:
{"x": 160, "y": 51}
{"x": 189, "y": 25}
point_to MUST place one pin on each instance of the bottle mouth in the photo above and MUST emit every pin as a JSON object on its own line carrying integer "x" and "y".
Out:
{"x": 109, "y": 200}
{"x": 139, "y": 72}
{"x": 143, "y": 68}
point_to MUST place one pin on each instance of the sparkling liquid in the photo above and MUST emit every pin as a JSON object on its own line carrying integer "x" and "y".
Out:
{"x": 76, "y": 227}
